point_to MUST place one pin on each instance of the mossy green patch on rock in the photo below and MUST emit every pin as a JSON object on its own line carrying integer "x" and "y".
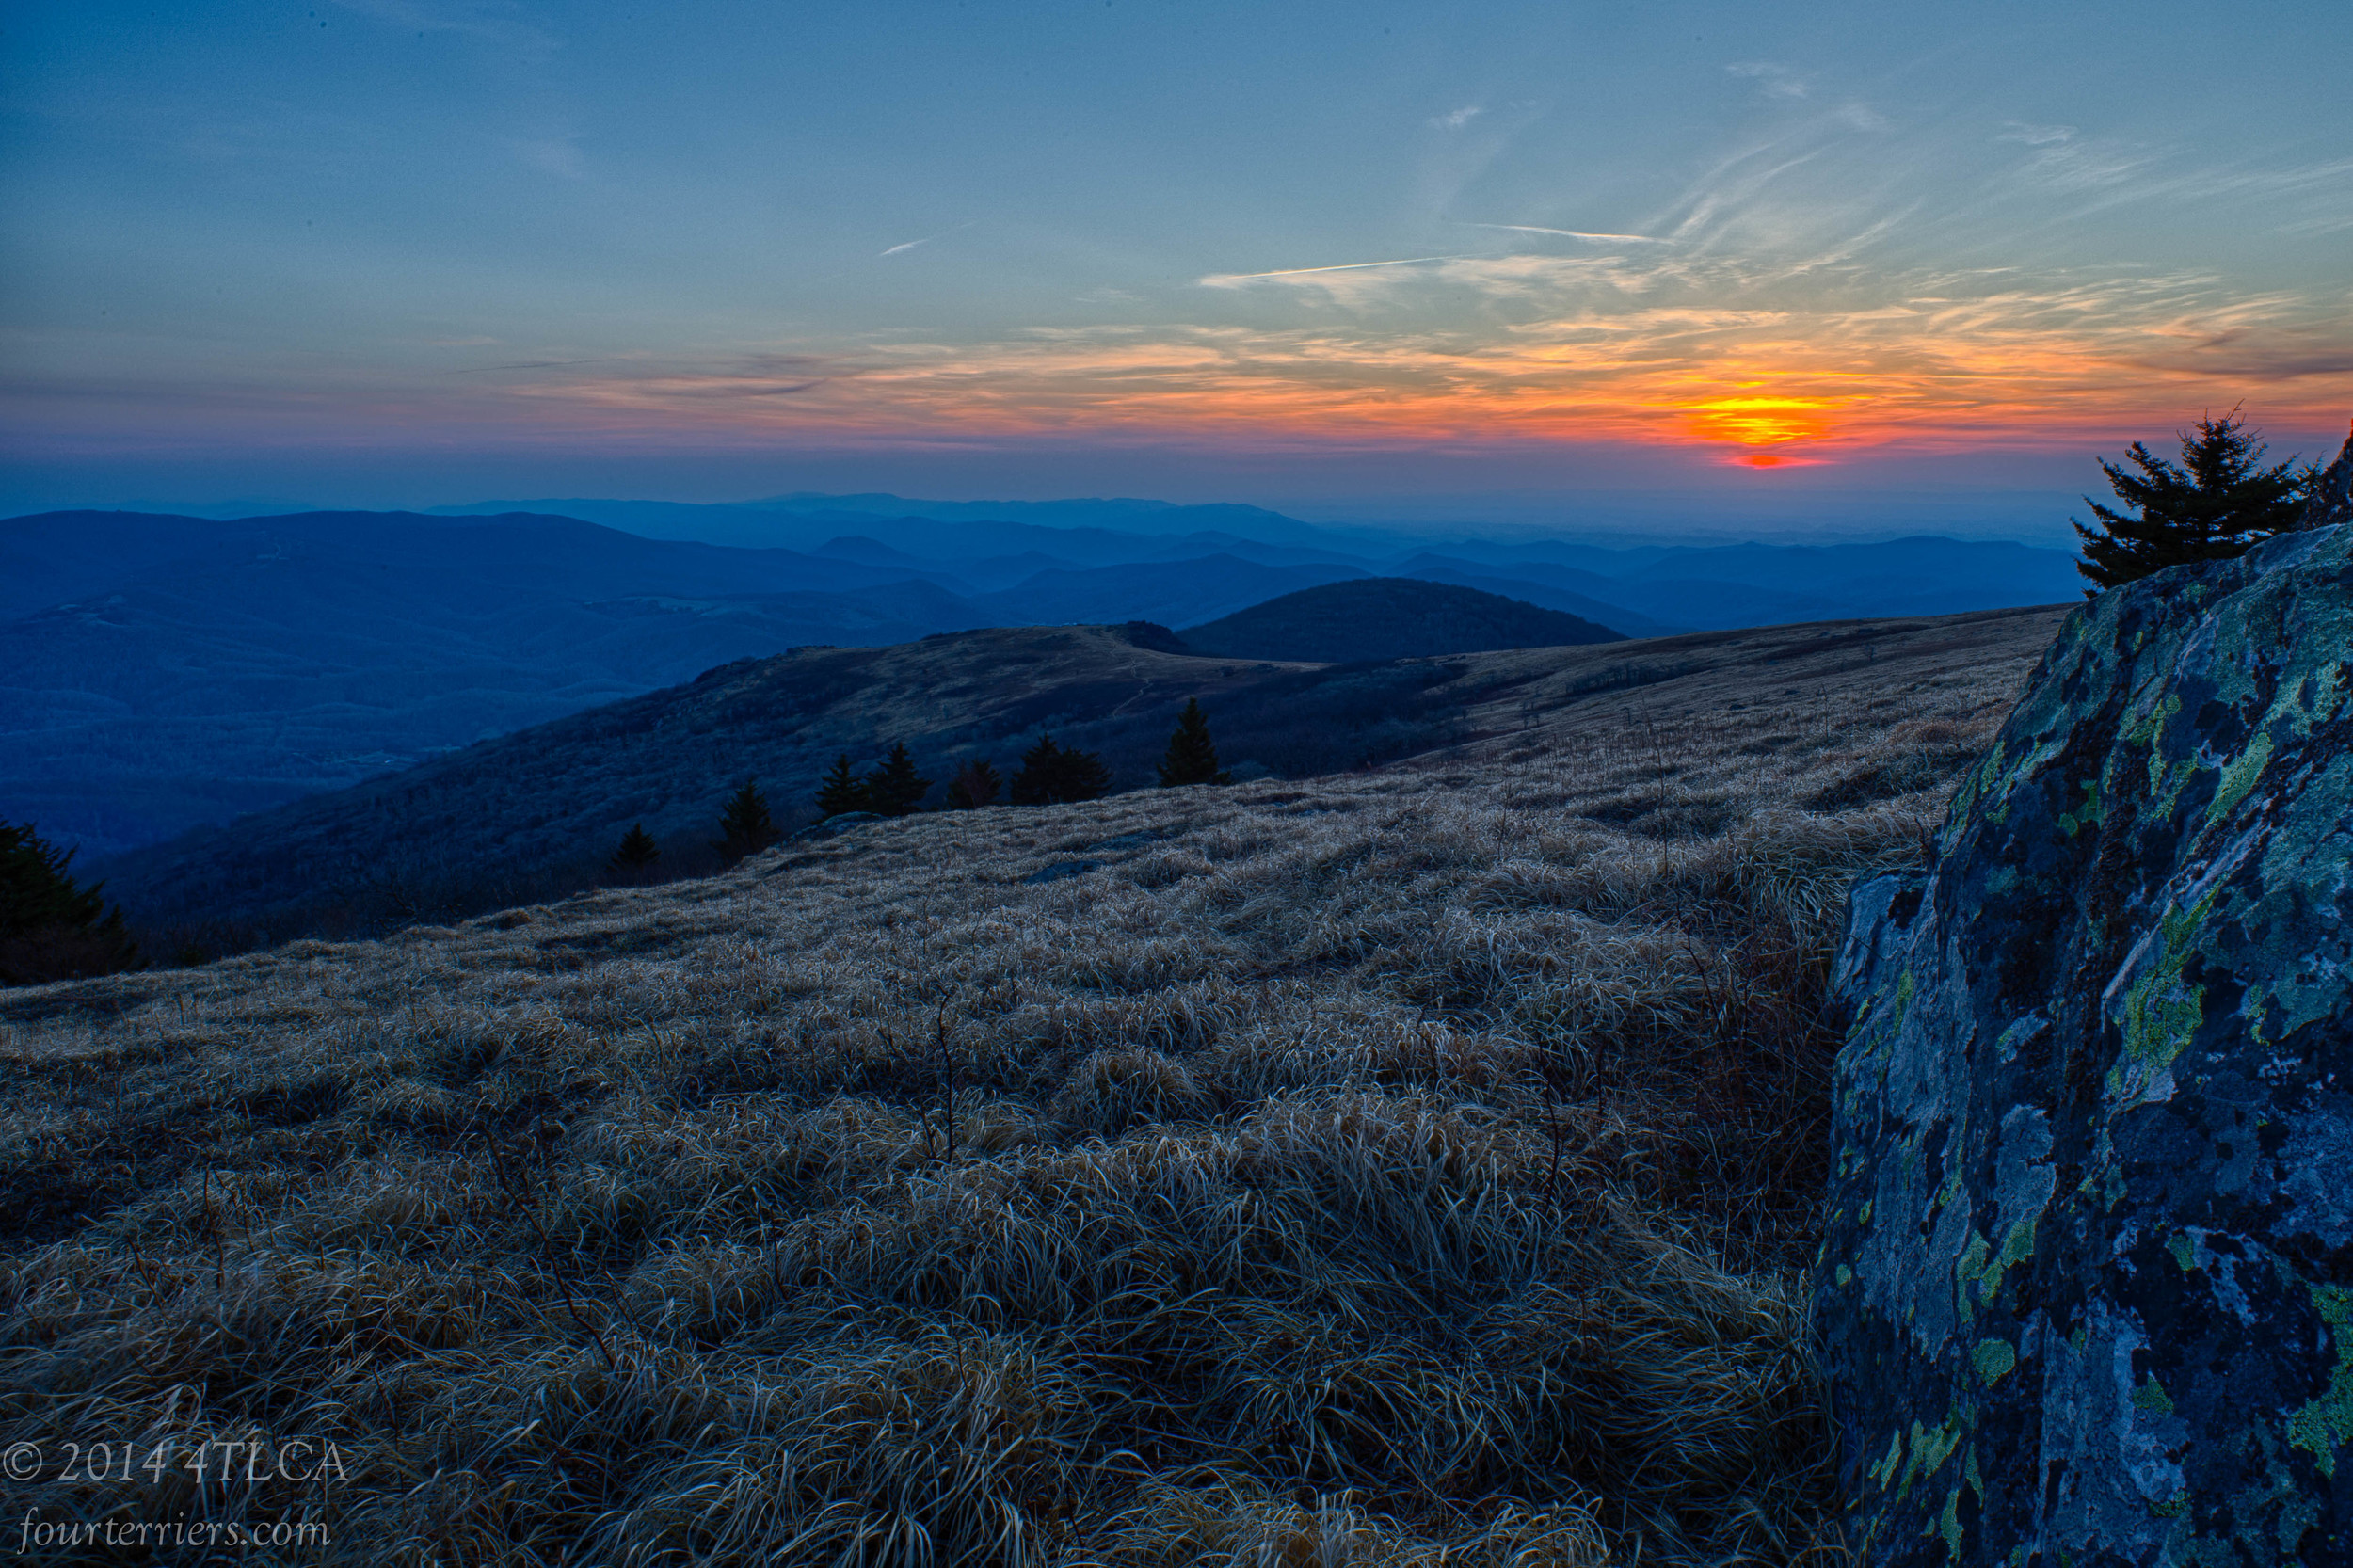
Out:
{"x": 2239, "y": 777}
{"x": 1995, "y": 1358}
{"x": 2325, "y": 1425}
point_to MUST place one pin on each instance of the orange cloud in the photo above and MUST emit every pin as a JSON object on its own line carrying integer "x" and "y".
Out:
{"x": 1762, "y": 368}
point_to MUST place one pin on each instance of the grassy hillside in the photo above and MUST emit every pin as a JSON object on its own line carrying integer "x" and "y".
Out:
{"x": 539, "y": 810}
{"x": 1387, "y": 617}
{"x": 534, "y": 814}
{"x": 1407, "y": 1167}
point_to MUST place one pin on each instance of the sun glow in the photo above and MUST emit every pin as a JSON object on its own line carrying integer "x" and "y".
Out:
{"x": 1754, "y": 421}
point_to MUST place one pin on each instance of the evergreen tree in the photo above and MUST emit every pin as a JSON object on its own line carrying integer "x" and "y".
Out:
{"x": 1040, "y": 766}
{"x": 1191, "y": 755}
{"x": 2218, "y": 503}
{"x": 975, "y": 785}
{"x": 51, "y": 928}
{"x": 633, "y": 862}
{"x": 744, "y": 827}
{"x": 1051, "y": 775}
{"x": 895, "y": 788}
{"x": 1083, "y": 775}
{"x": 842, "y": 791}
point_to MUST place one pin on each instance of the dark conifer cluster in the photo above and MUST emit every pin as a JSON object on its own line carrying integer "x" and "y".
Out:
{"x": 893, "y": 790}
{"x": 746, "y": 827}
{"x": 1050, "y": 775}
{"x": 1056, "y": 775}
{"x": 51, "y": 928}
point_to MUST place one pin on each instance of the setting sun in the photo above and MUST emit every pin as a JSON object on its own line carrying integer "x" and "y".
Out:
{"x": 1749, "y": 420}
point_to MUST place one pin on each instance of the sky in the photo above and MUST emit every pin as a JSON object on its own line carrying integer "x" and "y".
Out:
{"x": 1532, "y": 262}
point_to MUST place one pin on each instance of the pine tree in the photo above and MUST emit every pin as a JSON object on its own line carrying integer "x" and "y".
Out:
{"x": 842, "y": 791}
{"x": 1191, "y": 755}
{"x": 1051, "y": 775}
{"x": 895, "y": 788}
{"x": 744, "y": 827}
{"x": 51, "y": 928}
{"x": 633, "y": 862}
{"x": 975, "y": 785}
{"x": 1085, "y": 776}
{"x": 1040, "y": 766}
{"x": 2218, "y": 503}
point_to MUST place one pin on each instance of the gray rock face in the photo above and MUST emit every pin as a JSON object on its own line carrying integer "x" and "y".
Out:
{"x": 2088, "y": 1286}
{"x": 841, "y": 821}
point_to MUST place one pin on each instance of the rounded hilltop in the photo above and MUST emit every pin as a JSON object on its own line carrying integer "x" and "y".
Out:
{"x": 1388, "y": 617}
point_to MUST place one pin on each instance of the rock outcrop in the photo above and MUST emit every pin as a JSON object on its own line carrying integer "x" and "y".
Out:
{"x": 2086, "y": 1291}
{"x": 2332, "y": 501}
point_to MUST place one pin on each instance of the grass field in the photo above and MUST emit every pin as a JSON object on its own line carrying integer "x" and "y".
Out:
{"x": 1413, "y": 1166}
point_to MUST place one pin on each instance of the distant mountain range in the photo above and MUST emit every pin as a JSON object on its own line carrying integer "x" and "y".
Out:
{"x": 160, "y": 671}
{"x": 1643, "y": 590}
{"x": 935, "y": 527}
{"x": 1387, "y": 617}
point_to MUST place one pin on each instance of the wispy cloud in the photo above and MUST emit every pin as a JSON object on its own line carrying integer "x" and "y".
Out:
{"x": 911, "y": 245}
{"x": 1573, "y": 233}
{"x": 1776, "y": 80}
{"x": 1454, "y": 120}
{"x": 1235, "y": 280}
{"x": 534, "y": 364}
{"x": 1810, "y": 293}
{"x": 2098, "y": 175}
{"x": 1804, "y": 298}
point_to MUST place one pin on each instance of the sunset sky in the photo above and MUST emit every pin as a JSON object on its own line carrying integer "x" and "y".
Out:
{"x": 1346, "y": 259}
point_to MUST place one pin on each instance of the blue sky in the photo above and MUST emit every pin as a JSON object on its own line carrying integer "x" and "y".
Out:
{"x": 1742, "y": 259}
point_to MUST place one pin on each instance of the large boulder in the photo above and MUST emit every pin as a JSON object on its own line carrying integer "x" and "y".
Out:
{"x": 2086, "y": 1291}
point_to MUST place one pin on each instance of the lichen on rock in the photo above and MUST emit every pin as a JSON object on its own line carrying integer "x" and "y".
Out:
{"x": 2086, "y": 1290}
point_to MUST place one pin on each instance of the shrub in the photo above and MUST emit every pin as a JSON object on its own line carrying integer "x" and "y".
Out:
{"x": 975, "y": 785}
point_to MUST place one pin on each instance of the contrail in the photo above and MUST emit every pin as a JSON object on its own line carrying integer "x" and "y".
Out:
{"x": 1571, "y": 233}
{"x": 1344, "y": 266}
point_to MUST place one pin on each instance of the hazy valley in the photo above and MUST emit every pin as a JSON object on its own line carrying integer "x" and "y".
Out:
{"x": 158, "y": 673}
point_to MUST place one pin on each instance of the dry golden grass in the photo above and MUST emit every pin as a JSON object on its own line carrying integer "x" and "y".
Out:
{"x": 1412, "y": 1167}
